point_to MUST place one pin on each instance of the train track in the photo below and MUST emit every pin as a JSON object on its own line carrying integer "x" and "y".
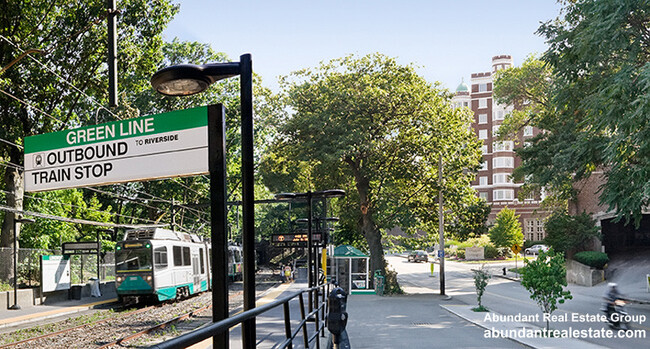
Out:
{"x": 127, "y": 327}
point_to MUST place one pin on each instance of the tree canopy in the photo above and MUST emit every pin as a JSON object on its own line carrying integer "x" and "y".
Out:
{"x": 377, "y": 130}
{"x": 589, "y": 93}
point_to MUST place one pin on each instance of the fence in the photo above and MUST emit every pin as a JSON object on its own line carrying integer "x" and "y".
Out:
{"x": 82, "y": 267}
{"x": 218, "y": 328}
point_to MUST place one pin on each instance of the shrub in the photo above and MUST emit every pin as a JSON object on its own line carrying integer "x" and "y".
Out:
{"x": 593, "y": 259}
{"x": 491, "y": 252}
{"x": 566, "y": 233}
{"x": 450, "y": 252}
{"x": 530, "y": 243}
{"x": 460, "y": 254}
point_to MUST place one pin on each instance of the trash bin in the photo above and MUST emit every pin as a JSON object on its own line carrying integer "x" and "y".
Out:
{"x": 75, "y": 292}
{"x": 94, "y": 288}
{"x": 379, "y": 283}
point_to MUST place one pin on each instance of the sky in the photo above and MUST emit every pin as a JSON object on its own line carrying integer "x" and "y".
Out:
{"x": 445, "y": 40}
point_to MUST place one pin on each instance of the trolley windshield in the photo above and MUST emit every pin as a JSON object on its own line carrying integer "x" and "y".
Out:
{"x": 133, "y": 259}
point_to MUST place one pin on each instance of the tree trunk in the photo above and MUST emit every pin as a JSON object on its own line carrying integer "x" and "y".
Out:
{"x": 368, "y": 226}
{"x": 13, "y": 179}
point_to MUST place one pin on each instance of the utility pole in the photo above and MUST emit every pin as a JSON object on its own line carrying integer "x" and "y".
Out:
{"x": 441, "y": 228}
{"x": 112, "y": 52}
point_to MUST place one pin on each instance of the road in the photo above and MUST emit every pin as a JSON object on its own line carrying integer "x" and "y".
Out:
{"x": 510, "y": 298}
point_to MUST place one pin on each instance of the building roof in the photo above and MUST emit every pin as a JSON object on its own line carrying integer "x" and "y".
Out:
{"x": 347, "y": 251}
{"x": 462, "y": 87}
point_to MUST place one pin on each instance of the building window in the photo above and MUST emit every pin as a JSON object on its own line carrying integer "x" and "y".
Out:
{"x": 482, "y": 102}
{"x": 503, "y": 162}
{"x": 483, "y": 180}
{"x": 502, "y": 146}
{"x": 482, "y": 118}
{"x": 504, "y": 194}
{"x": 465, "y": 104}
{"x": 482, "y": 87}
{"x": 495, "y": 130}
{"x": 482, "y": 134}
{"x": 528, "y": 131}
{"x": 483, "y": 195}
{"x": 501, "y": 178}
{"x": 484, "y": 149}
{"x": 484, "y": 166}
{"x": 498, "y": 115}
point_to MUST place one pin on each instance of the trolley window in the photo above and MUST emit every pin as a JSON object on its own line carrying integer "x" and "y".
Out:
{"x": 201, "y": 261}
{"x": 133, "y": 259}
{"x": 178, "y": 256}
{"x": 160, "y": 257}
{"x": 187, "y": 258}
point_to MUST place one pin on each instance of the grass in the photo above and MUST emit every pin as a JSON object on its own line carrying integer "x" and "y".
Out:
{"x": 495, "y": 260}
{"x": 53, "y": 327}
{"x": 481, "y": 309}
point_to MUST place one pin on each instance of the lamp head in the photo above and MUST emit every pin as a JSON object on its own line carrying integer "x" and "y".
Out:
{"x": 189, "y": 79}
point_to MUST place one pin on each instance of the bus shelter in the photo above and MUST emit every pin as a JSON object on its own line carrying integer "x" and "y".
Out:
{"x": 350, "y": 268}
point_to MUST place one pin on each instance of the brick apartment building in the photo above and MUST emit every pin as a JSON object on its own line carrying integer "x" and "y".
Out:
{"x": 493, "y": 182}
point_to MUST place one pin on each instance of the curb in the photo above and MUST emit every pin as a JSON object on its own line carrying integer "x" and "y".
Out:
{"x": 25, "y": 319}
{"x": 528, "y": 342}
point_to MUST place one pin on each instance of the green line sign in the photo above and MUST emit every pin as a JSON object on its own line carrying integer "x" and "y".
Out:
{"x": 151, "y": 147}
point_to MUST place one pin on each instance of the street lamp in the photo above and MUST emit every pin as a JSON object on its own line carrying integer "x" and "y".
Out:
{"x": 16, "y": 221}
{"x": 189, "y": 79}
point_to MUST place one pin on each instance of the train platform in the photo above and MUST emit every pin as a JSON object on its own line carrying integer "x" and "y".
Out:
{"x": 13, "y": 318}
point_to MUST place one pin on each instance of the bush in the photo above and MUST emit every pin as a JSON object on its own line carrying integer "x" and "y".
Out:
{"x": 592, "y": 258}
{"x": 566, "y": 233}
{"x": 460, "y": 254}
{"x": 491, "y": 252}
{"x": 528, "y": 244}
{"x": 450, "y": 252}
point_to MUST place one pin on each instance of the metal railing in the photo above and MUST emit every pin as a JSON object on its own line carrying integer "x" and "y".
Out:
{"x": 216, "y": 328}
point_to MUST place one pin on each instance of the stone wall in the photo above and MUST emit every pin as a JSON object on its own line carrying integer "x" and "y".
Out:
{"x": 580, "y": 274}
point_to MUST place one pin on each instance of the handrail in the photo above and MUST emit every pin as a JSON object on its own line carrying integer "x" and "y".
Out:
{"x": 213, "y": 329}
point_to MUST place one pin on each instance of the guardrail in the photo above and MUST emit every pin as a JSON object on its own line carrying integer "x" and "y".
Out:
{"x": 216, "y": 328}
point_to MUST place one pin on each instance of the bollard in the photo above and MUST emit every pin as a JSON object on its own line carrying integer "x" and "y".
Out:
{"x": 504, "y": 271}
{"x": 337, "y": 319}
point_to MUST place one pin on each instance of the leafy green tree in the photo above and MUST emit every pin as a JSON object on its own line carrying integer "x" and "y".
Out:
{"x": 506, "y": 231}
{"x": 588, "y": 96}
{"x": 569, "y": 234}
{"x": 377, "y": 130}
{"x": 544, "y": 278}
{"x": 470, "y": 221}
{"x": 481, "y": 278}
{"x": 67, "y": 37}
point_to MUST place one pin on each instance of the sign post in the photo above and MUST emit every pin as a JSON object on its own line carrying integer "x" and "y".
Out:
{"x": 516, "y": 249}
{"x": 165, "y": 145}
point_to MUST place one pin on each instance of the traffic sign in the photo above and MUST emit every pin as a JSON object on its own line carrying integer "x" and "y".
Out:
{"x": 156, "y": 146}
{"x": 516, "y": 248}
{"x": 296, "y": 240}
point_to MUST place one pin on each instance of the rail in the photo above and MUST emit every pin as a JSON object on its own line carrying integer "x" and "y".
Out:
{"x": 216, "y": 328}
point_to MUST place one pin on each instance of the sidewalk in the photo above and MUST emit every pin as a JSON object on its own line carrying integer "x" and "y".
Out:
{"x": 13, "y": 318}
{"x": 516, "y": 330}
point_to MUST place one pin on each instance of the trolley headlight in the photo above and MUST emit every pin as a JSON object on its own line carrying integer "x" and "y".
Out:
{"x": 119, "y": 279}
{"x": 148, "y": 277}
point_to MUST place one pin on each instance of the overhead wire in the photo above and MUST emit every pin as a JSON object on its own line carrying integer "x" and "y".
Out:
{"x": 84, "y": 208}
{"x": 91, "y": 99}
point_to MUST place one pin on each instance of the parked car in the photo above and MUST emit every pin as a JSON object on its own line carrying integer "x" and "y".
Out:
{"x": 535, "y": 249}
{"x": 418, "y": 256}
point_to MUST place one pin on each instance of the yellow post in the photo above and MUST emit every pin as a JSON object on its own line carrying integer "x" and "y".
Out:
{"x": 324, "y": 262}
{"x": 432, "y": 264}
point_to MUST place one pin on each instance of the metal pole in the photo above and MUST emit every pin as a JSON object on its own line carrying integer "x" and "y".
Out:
{"x": 310, "y": 254}
{"x": 248, "y": 195}
{"x": 98, "y": 248}
{"x": 112, "y": 53}
{"x": 441, "y": 225}
{"x": 218, "y": 229}
{"x": 15, "y": 306}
